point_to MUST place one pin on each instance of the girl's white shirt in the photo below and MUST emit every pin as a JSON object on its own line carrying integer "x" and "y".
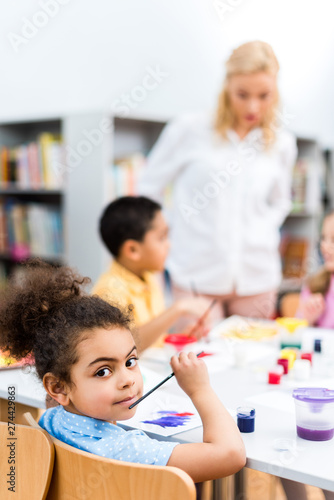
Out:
{"x": 229, "y": 199}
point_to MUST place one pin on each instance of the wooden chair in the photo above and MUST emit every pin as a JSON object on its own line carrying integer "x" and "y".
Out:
{"x": 79, "y": 475}
{"x": 30, "y": 453}
{"x": 289, "y": 304}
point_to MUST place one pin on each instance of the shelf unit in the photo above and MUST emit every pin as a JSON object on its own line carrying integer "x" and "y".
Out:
{"x": 39, "y": 200}
{"x": 304, "y": 223}
{"x": 92, "y": 142}
{"x": 89, "y": 186}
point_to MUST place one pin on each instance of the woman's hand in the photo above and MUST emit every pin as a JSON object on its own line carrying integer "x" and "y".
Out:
{"x": 191, "y": 373}
{"x": 312, "y": 307}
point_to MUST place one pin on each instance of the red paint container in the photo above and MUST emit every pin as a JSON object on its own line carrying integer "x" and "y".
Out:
{"x": 179, "y": 341}
{"x": 285, "y": 363}
{"x": 274, "y": 378}
{"x": 306, "y": 355}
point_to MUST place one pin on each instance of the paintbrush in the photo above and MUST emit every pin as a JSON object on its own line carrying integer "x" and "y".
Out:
{"x": 202, "y": 318}
{"x": 157, "y": 386}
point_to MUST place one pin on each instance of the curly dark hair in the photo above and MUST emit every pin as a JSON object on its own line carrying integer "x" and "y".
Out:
{"x": 45, "y": 312}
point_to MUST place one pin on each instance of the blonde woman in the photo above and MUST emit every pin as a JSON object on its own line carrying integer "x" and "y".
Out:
{"x": 231, "y": 178}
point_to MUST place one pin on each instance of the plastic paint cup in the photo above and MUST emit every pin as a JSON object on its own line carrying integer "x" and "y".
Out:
{"x": 246, "y": 418}
{"x": 274, "y": 378}
{"x": 306, "y": 355}
{"x": 275, "y": 374}
{"x": 314, "y": 413}
{"x": 289, "y": 325}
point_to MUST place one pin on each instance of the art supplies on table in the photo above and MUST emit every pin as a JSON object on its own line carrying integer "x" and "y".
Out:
{"x": 314, "y": 413}
{"x": 164, "y": 414}
{"x": 238, "y": 327}
{"x": 246, "y": 419}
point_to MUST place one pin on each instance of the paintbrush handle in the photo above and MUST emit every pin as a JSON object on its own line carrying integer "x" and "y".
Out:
{"x": 152, "y": 390}
{"x": 156, "y": 387}
{"x": 204, "y": 315}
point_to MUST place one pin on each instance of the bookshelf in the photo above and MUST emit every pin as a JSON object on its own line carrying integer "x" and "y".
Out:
{"x": 31, "y": 197}
{"x": 329, "y": 180}
{"x": 91, "y": 184}
{"x": 95, "y": 145}
{"x": 300, "y": 231}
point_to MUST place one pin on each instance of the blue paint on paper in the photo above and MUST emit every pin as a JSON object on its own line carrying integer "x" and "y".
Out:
{"x": 170, "y": 419}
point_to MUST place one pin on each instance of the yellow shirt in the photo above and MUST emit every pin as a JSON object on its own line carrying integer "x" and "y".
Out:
{"x": 120, "y": 286}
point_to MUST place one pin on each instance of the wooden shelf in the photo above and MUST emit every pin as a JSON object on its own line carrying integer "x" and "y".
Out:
{"x": 49, "y": 258}
{"x": 12, "y": 191}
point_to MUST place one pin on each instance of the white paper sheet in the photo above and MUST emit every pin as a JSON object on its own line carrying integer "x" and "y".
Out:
{"x": 165, "y": 414}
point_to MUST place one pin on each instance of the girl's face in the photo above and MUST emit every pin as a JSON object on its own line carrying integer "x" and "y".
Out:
{"x": 251, "y": 96}
{"x": 106, "y": 380}
{"x": 327, "y": 242}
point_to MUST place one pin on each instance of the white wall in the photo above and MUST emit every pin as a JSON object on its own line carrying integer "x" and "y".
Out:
{"x": 91, "y": 53}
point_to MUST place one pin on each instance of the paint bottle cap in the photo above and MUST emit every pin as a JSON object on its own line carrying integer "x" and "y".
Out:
{"x": 285, "y": 363}
{"x": 317, "y": 345}
{"x": 274, "y": 378}
{"x": 295, "y": 345}
{"x": 306, "y": 355}
{"x": 246, "y": 418}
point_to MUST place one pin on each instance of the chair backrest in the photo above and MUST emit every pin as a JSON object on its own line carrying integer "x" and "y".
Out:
{"x": 26, "y": 462}
{"x": 79, "y": 475}
{"x": 289, "y": 304}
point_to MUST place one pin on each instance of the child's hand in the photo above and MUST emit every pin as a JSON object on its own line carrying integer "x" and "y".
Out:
{"x": 191, "y": 373}
{"x": 313, "y": 307}
{"x": 198, "y": 329}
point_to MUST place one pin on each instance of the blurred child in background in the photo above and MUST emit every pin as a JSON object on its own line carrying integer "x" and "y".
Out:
{"x": 135, "y": 232}
{"x": 317, "y": 297}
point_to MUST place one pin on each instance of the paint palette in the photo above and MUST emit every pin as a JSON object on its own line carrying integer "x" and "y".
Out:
{"x": 247, "y": 328}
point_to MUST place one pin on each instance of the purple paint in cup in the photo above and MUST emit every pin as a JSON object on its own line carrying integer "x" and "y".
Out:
{"x": 314, "y": 413}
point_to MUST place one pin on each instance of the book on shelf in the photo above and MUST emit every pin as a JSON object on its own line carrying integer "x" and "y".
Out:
{"x": 32, "y": 165}
{"x": 306, "y": 187}
{"x": 299, "y": 185}
{"x": 124, "y": 175}
{"x": 30, "y": 229}
{"x": 294, "y": 253}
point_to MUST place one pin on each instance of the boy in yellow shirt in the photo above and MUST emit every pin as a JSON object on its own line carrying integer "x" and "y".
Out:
{"x": 135, "y": 232}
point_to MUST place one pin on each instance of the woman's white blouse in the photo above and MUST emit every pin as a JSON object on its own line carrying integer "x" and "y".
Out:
{"x": 229, "y": 199}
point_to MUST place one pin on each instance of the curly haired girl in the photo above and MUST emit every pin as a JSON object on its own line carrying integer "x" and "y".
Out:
{"x": 86, "y": 356}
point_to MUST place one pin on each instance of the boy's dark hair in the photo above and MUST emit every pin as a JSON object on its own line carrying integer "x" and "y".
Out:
{"x": 44, "y": 314}
{"x": 127, "y": 218}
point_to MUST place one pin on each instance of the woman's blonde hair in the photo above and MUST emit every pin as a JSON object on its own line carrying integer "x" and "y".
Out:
{"x": 251, "y": 57}
{"x": 320, "y": 281}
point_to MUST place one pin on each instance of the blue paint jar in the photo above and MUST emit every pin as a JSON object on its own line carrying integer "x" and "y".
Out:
{"x": 246, "y": 418}
{"x": 317, "y": 345}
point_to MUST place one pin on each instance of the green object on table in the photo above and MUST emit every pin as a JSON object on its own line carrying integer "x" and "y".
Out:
{"x": 296, "y": 345}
